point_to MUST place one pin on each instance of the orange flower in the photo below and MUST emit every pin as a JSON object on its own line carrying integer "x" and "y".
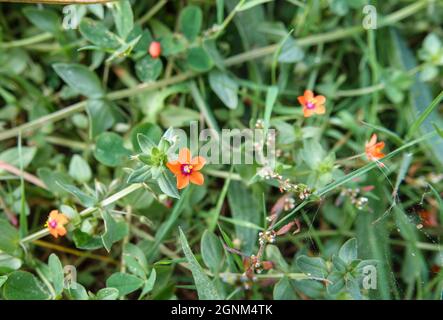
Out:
{"x": 186, "y": 169}
{"x": 373, "y": 149}
{"x": 312, "y": 104}
{"x": 55, "y": 223}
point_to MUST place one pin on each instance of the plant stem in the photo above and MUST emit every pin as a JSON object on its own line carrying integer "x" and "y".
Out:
{"x": 223, "y": 174}
{"x": 27, "y": 41}
{"x": 75, "y": 252}
{"x": 89, "y": 211}
{"x": 156, "y": 8}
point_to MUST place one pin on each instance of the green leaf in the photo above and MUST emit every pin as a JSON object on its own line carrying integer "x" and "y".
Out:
{"x": 149, "y": 283}
{"x": 190, "y": 21}
{"x": 135, "y": 260}
{"x": 78, "y": 293}
{"x": 98, "y": 34}
{"x": 85, "y": 199}
{"x": 225, "y": 88}
{"x": 124, "y": 283}
{"x": 348, "y": 252}
{"x": 428, "y": 73}
{"x": 123, "y": 17}
{"x": 9, "y": 237}
{"x": 52, "y": 180}
{"x": 313, "y": 267}
{"x": 22, "y": 285}
{"x": 205, "y": 288}
{"x": 339, "y": 264}
{"x": 3, "y": 280}
{"x": 9, "y": 263}
{"x": 11, "y": 156}
{"x": 57, "y": 274}
{"x": 175, "y": 117}
{"x": 81, "y": 79}
{"x": 172, "y": 46}
{"x": 271, "y": 98}
{"x": 79, "y": 169}
{"x": 148, "y": 69}
{"x": 145, "y": 39}
{"x": 148, "y": 130}
{"x": 85, "y": 241}
{"x": 109, "y": 149}
{"x": 290, "y": 52}
{"x": 145, "y": 143}
{"x": 167, "y": 184}
{"x": 283, "y": 290}
{"x": 100, "y": 115}
{"x": 340, "y": 7}
{"x": 97, "y": 10}
{"x": 199, "y": 60}
{"x": 114, "y": 231}
{"x": 108, "y": 294}
{"x": 337, "y": 282}
{"x": 44, "y": 19}
{"x": 140, "y": 175}
{"x": 212, "y": 251}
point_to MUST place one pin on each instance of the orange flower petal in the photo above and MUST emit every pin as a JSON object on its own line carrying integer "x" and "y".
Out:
{"x": 198, "y": 163}
{"x": 320, "y": 109}
{"x": 175, "y": 167}
{"x": 184, "y": 156}
{"x": 197, "y": 178}
{"x": 53, "y": 215}
{"x": 309, "y": 95}
{"x": 302, "y": 100}
{"x": 182, "y": 181}
{"x": 308, "y": 112}
{"x": 61, "y": 231}
{"x": 53, "y": 232}
{"x": 373, "y": 140}
{"x": 380, "y": 145}
{"x": 320, "y": 100}
{"x": 62, "y": 219}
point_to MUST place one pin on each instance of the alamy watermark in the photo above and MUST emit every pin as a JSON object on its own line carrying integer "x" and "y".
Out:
{"x": 370, "y": 18}
{"x": 70, "y": 277}
{"x": 369, "y": 277}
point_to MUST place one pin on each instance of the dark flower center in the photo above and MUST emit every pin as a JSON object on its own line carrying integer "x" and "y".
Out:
{"x": 310, "y": 105}
{"x": 187, "y": 169}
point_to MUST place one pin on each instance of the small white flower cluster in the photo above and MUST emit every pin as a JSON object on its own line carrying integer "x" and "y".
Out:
{"x": 266, "y": 237}
{"x": 354, "y": 195}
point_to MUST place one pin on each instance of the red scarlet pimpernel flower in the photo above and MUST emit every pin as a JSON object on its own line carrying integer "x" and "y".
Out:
{"x": 373, "y": 149}
{"x": 56, "y": 224}
{"x": 186, "y": 169}
{"x": 312, "y": 104}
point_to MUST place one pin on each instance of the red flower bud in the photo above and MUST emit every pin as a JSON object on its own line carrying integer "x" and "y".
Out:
{"x": 155, "y": 49}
